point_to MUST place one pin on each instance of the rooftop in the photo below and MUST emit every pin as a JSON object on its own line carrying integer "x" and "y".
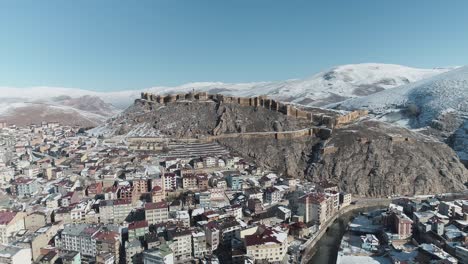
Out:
{"x": 6, "y": 217}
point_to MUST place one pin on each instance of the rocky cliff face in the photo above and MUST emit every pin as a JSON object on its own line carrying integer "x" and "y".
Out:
{"x": 376, "y": 159}
{"x": 198, "y": 119}
{"x": 286, "y": 156}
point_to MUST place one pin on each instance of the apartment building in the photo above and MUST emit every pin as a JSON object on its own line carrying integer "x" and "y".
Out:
{"x": 199, "y": 246}
{"x": 315, "y": 208}
{"x": 79, "y": 238}
{"x": 10, "y": 223}
{"x": 156, "y": 212}
{"x": 114, "y": 211}
{"x": 182, "y": 244}
{"x": 267, "y": 244}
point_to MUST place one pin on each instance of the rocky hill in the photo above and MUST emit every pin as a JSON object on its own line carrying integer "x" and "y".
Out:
{"x": 437, "y": 106}
{"x": 376, "y": 159}
{"x": 365, "y": 157}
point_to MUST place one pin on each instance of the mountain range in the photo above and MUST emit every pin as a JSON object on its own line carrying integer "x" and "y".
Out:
{"x": 29, "y": 105}
{"x": 433, "y": 101}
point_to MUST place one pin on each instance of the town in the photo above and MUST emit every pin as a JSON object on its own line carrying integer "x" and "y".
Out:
{"x": 71, "y": 197}
{"x": 422, "y": 230}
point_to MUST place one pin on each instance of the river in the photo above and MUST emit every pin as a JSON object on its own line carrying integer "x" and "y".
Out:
{"x": 328, "y": 246}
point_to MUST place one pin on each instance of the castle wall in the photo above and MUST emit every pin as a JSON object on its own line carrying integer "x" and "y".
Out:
{"x": 262, "y": 101}
{"x": 244, "y": 101}
{"x": 350, "y": 117}
{"x": 328, "y": 150}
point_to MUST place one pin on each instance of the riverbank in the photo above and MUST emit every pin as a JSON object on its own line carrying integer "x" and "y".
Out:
{"x": 343, "y": 215}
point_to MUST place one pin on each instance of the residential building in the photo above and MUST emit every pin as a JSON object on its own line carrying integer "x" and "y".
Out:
{"x": 370, "y": 242}
{"x": 170, "y": 181}
{"x": 315, "y": 208}
{"x": 235, "y": 182}
{"x": 161, "y": 255}
{"x": 22, "y": 187}
{"x": 133, "y": 250}
{"x": 79, "y": 238}
{"x": 345, "y": 199}
{"x": 199, "y": 246}
{"x": 334, "y": 199}
{"x": 157, "y": 194}
{"x": 156, "y": 213}
{"x": 399, "y": 223}
{"x": 212, "y": 235}
{"x": 267, "y": 244}
{"x": 203, "y": 182}
{"x": 140, "y": 185}
{"x": 137, "y": 229}
{"x": 114, "y": 211}
{"x": 449, "y": 209}
{"x": 15, "y": 255}
{"x": 189, "y": 181}
{"x": 108, "y": 241}
{"x": 182, "y": 244}
{"x": 70, "y": 257}
{"x": 205, "y": 199}
{"x": 10, "y": 223}
{"x": 272, "y": 195}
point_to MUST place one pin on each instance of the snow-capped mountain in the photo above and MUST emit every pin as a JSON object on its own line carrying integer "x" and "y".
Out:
{"x": 429, "y": 98}
{"x": 330, "y": 86}
{"x": 438, "y": 104}
{"x": 85, "y": 110}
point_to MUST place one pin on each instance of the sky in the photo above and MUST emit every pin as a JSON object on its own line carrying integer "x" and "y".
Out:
{"x": 109, "y": 45}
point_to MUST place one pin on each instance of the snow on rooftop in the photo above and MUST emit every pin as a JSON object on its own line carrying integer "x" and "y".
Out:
{"x": 362, "y": 260}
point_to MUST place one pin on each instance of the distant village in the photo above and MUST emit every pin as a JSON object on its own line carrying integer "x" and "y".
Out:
{"x": 68, "y": 197}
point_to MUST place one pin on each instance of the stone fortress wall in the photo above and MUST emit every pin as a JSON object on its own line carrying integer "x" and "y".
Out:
{"x": 259, "y": 101}
{"x": 324, "y": 131}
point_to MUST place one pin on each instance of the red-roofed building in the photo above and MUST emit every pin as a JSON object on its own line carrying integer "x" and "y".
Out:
{"x": 157, "y": 194}
{"x": 138, "y": 229}
{"x": 108, "y": 241}
{"x": 156, "y": 212}
{"x": 10, "y": 222}
{"x": 315, "y": 208}
{"x": 94, "y": 189}
{"x": 189, "y": 181}
{"x": 270, "y": 244}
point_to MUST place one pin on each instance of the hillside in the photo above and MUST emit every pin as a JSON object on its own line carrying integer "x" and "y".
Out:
{"x": 436, "y": 106}
{"x": 86, "y": 111}
{"x": 364, "y": 157}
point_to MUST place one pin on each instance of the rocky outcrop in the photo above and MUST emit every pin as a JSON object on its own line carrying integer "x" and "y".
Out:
{"x": 289, "y": 156}
{"x": 197, "y": 119}
{"x": 376, "y": 159}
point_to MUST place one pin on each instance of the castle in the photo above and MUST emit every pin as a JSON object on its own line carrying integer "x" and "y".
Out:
{"x": 259, "y": 101}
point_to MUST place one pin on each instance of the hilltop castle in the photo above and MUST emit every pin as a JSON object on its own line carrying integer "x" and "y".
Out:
{"x": 258, "y": 101}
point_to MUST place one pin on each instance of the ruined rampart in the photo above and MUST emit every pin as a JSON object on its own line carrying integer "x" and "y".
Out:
{"x": 259, "y": 101}
{"x": 350, "y": 117}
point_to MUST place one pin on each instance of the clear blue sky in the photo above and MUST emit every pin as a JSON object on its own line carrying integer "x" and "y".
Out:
{"x": 116, "y": 45}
